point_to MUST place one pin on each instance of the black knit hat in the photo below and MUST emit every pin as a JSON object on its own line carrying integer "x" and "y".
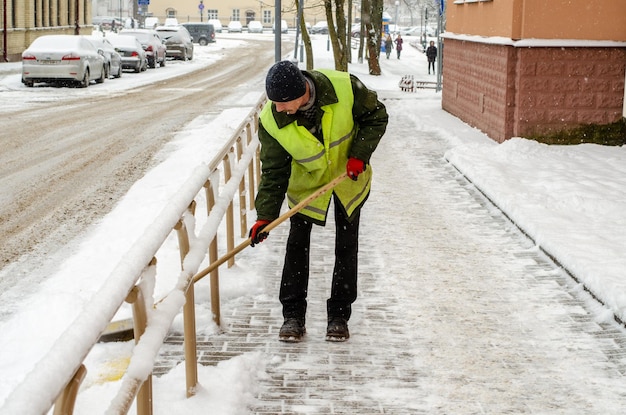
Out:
{"x": 284, "y": 82}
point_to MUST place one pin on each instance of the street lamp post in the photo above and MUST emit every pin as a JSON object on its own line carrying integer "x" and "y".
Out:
{"x": 396, "y": 22}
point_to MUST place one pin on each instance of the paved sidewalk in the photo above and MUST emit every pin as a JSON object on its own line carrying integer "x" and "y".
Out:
{"x": 458, "y": 312}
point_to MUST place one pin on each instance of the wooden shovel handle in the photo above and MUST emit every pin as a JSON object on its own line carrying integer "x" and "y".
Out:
{"x": 272, "y": 225}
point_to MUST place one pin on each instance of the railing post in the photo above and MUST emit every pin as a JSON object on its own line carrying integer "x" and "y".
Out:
{"x": 140, "y": 318}
{"x": 230, "y": 228}
{"x": 251, "y": 182}
{"x": 65, "y": 402}
{"x": 214, "y": 277}
{"x": 189, "y": 313}
{"x": 243, "y": 223}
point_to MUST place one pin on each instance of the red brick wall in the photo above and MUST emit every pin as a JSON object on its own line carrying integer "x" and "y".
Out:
{"x": 506, "y": 91}
{"x": 558, "y": 88}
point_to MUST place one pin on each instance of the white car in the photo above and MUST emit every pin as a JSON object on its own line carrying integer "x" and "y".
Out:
{"x": 62, "y": 59}
{"x": 234, "y": 26}
{"x": 254, "y": 26}
{"x": 217, "y": 25}
{"x": 284, "y": 27}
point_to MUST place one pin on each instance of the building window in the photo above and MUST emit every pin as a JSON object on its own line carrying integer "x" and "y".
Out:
{"x": 235, "y": 16}
{"x": 267, "y": 17}
{"x": 211, "y": 14}
{"x": 170, "y": 13}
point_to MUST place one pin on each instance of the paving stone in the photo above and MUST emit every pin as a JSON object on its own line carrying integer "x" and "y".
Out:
{"x": 458, "y": 313}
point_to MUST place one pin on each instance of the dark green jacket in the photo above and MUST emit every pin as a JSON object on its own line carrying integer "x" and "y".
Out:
{"x": 370, "y": 117}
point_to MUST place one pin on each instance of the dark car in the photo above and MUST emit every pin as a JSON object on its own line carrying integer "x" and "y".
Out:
{"x": 178, "y": 41}
{"x": 152, "y": 44}
{"x": 201, "y": 33}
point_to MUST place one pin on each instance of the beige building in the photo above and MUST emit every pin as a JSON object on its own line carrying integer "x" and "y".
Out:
{"x": 514, "y": 68}
{"x": 228, "y": 10}
{"x": 28, "y": 19}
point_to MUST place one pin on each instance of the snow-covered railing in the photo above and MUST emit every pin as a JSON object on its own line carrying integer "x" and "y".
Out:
{"x": 229, "y": 181}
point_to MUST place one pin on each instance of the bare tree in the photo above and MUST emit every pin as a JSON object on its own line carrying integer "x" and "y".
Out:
{"x": 372, "y": 18}
{"x": 337, "y": 32}
{"x": 306, "y": 39}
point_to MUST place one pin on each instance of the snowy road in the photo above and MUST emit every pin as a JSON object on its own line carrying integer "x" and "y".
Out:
{"x": 67, "y": 155}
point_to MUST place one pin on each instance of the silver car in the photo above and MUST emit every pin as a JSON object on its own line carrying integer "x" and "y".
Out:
{"x": 112, "y": 59}
{"x": 131, "y": 51}
{"x": 62, "y": 59}
{"x": 177, "y": 41}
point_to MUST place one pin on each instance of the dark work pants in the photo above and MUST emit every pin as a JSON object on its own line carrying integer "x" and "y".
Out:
{"x": 295, "y": 278}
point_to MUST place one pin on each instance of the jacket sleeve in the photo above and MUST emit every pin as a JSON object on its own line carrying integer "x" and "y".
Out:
{"x": 370, "y": 117}
{"x": 275, "y": 172}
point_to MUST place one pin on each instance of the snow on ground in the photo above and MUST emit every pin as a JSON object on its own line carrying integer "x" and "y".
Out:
{"x": 570, "y": 199}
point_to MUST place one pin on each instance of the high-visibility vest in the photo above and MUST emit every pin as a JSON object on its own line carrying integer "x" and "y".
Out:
{"x": 314, "y": 164}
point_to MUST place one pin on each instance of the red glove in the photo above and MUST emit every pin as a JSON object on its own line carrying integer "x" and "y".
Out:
{"x": 355, "y": 167}
{"x": 256, "y": 232}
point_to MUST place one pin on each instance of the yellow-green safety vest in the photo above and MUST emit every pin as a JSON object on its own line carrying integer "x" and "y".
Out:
{"x": 315, "y": 164}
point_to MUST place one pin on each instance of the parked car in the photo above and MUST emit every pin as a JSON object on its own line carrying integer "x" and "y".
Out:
{"x": 284, "y": 27}
{"x": 201, "y": 33}
{"x": 217, "y": 25}
{"x": 152, "y": 43}
{"x": 320, "y": 28}
{"x": 234, "y": 26}
{"x": 112, "y": 59}
{"x": 62, "y": 58}
{"x": 151, "y": 22}
{"x": 177, "y": 41}
{"x": 131, "y": 51}
{"x": 171, "y": 21}
{"x": 411, "y": 31}
{"x": 355, "y": 30}
{"x": 254, "y": 26}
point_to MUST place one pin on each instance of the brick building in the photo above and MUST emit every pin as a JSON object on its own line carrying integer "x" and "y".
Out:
{"x": 21, "y": 21}
{"x": 520, "y": 67}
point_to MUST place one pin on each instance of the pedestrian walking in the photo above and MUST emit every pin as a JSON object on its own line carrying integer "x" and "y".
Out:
{"x": 399, "y": 42}
{"x": 431, "y": 55}
{"x": 316, "y": 126}
{"x": 388, "y": 45}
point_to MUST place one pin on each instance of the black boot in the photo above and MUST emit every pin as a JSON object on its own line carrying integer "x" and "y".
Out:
{"x": 337, "y": 330}
{"x": 292, "y": 330}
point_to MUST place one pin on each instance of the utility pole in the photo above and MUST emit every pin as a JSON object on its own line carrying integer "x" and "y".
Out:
{"x": 277, "y": 32}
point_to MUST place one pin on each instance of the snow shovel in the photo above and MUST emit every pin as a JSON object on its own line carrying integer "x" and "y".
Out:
{"x": 271, "y": 226}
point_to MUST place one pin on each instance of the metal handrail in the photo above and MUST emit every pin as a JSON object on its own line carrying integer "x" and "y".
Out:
{"x": 223, "y": 183}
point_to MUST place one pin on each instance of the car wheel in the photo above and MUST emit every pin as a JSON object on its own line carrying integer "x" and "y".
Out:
{"x": 152, "y": 62}
{"x": 119, "y": 71}
{"x": 85, "y": 82}
{"x": 145, "y": 66}
{"x": 139, "y": 67}
{"x": 203, "y": 42}
{"x": 163, "y": 61}
{"x": 103, "y": 75}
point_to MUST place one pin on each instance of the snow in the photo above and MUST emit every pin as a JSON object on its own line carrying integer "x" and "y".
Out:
{"x": 527, "y": 43}
{"x": 569, "y": 199}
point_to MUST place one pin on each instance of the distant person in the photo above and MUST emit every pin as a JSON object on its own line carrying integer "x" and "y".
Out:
{"x": 431, "y": 55}
{"x": 399, "y": 44}
{"x": 388, "y": 45}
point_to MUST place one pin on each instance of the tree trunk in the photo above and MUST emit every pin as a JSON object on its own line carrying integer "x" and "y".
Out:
{"x": 306, "y": 40}
{"x": 337, "y": 33}
{"x": 373, "y": 18}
